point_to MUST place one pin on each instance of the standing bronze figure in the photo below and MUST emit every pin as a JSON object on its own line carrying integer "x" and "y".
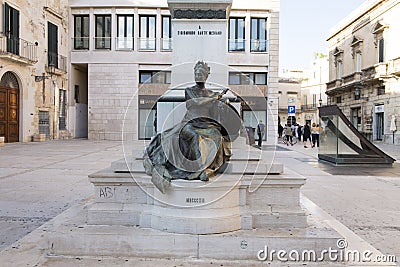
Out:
{"x": 199, "y": 145}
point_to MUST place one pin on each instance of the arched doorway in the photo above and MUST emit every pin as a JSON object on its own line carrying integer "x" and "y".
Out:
{"x": 9, "y": 107}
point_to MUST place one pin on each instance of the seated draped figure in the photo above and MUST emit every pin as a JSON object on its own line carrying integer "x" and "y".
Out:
{"x": 199, "y": 146}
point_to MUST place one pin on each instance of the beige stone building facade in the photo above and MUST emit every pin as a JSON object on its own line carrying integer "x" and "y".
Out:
{"x": 313, "y": 89}
{"x": 364, "y": 69}
{"x": 33, "y": 69}
{"x": 290, "y": 95}
{"x": 121, "y": 55}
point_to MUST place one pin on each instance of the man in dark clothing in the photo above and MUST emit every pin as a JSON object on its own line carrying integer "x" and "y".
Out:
{"x": 280, "y": 130}
{"x": 306, "y": 135}
{"x": 260, "y": 132}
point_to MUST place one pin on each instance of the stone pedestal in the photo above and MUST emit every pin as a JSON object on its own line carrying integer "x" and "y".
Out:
{"x": 231, "y": 217}
{"x": 252, "y": 193}
{"x": 2, "y": 140}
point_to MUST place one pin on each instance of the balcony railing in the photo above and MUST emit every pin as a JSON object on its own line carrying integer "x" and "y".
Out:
{"x": 81, "y": 43}
{"x": 124, "y": 43}
{"x": 102, "y": 42}
{"x": 257, "y": 45}
{"x": 236, "y": 45}
{"x": 19, "y": 47}
{"x": 309, "y": 107}
{"x": 58, "y": 61}
{"x": 148, "y": 44}
{"x": 166, "y": 44}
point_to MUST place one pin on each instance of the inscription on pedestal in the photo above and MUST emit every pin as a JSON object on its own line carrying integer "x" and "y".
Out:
{"x": 195, "y": 200}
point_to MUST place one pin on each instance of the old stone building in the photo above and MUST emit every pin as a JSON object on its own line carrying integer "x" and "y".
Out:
{"x": 313, "y": 88}
{"x": 364, "y": 69}
{"x": 290, "y": 95}
{"x": 33, "y": 69}
{"x": 122, "y": 53}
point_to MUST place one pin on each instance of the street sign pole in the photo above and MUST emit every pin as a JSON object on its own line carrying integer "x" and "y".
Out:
{"x": 291, "y": 113}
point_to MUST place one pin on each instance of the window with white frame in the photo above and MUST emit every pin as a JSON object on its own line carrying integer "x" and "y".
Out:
{"x": 166, "y": 38}
{"x": 339, "y": 70}
{"x": 249, "y": 78}
{"x": 125, "y": 32}
{"x": 358, "y": 61}
{"x": 258, "y": 42}
{"x": 338, "y": 57}
{"x": 147, "y": 33}
{"x": 236, "y": 34}
{"x": 153, "y": 76}
{"x": 314, "y": 100}
{"x": 356, "y": 45}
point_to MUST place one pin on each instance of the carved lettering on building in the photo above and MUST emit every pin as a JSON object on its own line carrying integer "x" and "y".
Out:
{"x": 199, "y": 14}
{"x": 199, "y": 33}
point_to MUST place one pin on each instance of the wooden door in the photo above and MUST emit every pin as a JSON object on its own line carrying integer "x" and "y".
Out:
{"x": 9, "y": 114}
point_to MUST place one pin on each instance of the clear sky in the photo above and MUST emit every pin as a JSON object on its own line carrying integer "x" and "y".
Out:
{"x": 304, "y": 27}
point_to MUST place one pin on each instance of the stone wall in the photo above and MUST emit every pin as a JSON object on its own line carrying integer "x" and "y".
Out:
{"x": 111, "y": 88}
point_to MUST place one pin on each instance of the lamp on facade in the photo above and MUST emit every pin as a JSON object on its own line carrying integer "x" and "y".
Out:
{"x": 51, "y": 69}
{"x": 357, "y": 93}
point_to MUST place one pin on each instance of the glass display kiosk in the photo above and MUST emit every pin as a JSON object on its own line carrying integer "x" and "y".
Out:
{"x": 342, "y": 143}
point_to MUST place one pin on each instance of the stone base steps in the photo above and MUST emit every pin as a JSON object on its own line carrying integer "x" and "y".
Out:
{"x": 76, "y": 238}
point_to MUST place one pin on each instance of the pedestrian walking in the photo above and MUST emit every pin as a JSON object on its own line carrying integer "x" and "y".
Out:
{"x": 294, "y": 130}
{"x": 306, "y": 135}
{"x": 260, "y": 132}
{"x": 319, "y": 131}
{"x": 314, "y": 132}
{"x": 280, "y": 130}
{"x": 299, "y": 130}
{"x": 289, "y": 135}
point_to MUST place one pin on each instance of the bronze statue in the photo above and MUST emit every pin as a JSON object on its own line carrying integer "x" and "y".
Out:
{"x": 198, "y": 147}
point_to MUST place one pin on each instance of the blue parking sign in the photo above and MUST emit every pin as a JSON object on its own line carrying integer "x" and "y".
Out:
{"x": 291, "y": 110}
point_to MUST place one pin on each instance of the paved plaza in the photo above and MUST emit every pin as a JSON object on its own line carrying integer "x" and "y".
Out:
{"x": 40, "y": 181}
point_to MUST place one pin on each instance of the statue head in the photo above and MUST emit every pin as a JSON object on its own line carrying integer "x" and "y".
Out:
{"x": 201, "y": 71}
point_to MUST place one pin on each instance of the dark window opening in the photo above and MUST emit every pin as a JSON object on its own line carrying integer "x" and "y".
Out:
{"x": 103, "y": 32}
{"x": 52, "y": 41}
{"x": 11, "y": 29}
{"x": 381, "y": 90}
{"x": 81, "y": 32}
{"x": 381, "y": 45}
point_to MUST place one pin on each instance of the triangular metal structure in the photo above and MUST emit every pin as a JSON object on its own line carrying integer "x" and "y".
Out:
{"x": 342, "y": 143}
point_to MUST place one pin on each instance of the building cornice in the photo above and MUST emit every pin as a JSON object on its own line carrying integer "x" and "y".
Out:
{"x": 353, "y": 17}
